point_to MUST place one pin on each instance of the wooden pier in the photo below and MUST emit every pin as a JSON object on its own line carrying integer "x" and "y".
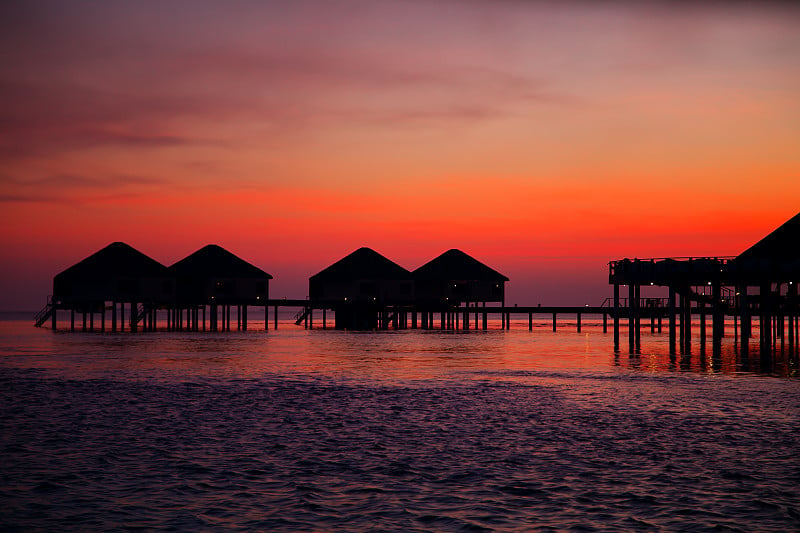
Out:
{"x": 145, "y": 318}
{"x": 366, "y": 291}
{"x": 462, "y": 318}
{"x": 715, "y": 288}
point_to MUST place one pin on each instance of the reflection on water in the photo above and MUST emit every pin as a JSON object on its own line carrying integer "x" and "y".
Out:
{"x": 297, "y": 430}
{"x": 390, "y": 355}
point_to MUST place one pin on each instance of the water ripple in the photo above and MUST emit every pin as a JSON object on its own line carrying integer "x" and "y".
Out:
{"x": 566, "y": 453}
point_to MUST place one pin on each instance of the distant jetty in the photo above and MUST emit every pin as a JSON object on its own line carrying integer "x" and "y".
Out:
{"x": 454, "y": 291}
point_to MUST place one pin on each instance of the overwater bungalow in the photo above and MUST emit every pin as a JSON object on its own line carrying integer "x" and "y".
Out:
{"x": 113, "y": 276}
{"x": 214, "y": 277}
{"x": 454, "y": 278}
{"x": 364, "y": 288}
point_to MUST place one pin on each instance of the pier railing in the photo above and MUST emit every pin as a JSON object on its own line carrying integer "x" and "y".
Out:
{"x": 643, "y": 302}
{"x": 668, "y": 270}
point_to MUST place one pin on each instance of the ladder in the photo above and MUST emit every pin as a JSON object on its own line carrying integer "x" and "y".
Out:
{"x": 46, "y": 312}
{"x": 301, "y": 315}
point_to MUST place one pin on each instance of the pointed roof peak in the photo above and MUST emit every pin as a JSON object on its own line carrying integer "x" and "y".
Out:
{"x": 214, "y": 260}
{"x": 115, "y": 259}
{"x": 363, "y": 263}
{"x": 456, "y": 264}
{"x": 782, "y": 244}
{"x": 454, "y": 252}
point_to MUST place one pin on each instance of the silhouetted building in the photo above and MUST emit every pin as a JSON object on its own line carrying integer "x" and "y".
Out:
{"x": 213, "y": 275}
{"x": 454, "y": 278}
{"x": 363, "y": 276}
{"x": 361, "y": 286}
{"x": 117, "y": 273}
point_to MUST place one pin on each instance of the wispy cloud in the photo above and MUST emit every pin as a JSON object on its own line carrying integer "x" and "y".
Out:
{"x": 75, "y": 189}
{"x": 46, "y": 117}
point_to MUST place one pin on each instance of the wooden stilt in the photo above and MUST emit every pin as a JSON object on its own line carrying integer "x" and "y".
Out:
{"x": 671, "y": 319}
{"x": 631, "y": 316}
{"x": 687, "y": 332}
{"x": 791, "y": 302}
{"x": 766, "y": 317}
{"x": 616, "y": 315}
{"x": 134, "y": 318}
{"x": 701, "y": 308}
{"x": 717, "y": 316}
{"x": 638, "y": 315}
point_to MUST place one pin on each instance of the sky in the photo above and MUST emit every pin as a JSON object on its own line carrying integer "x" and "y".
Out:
{"x": 543, "y": 138}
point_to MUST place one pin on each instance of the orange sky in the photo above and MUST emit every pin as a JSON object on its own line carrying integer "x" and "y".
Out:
{"x": 544, "y": 138}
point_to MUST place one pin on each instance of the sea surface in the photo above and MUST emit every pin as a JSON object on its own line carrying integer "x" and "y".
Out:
{"x": 320, "y": 430}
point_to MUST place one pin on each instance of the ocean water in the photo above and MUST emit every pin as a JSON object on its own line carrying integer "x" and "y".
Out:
{"x": 312, "y": 430}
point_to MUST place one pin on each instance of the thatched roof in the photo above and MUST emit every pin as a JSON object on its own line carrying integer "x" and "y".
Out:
{"x": 116, "y": 259}
{"x": 213, "y": 261}
{"x": 456, "y": 265}
{"x": 782, "y": 245}
{"x": 364, "y": 263}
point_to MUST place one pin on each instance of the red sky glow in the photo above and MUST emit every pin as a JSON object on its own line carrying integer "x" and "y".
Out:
{"x": 544, "y": 138}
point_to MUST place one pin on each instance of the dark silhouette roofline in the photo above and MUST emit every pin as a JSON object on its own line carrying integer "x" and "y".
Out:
{"x": 457, "y": 265}
{"x": 783, "y": 244}
{"x": 215, "y": 261}
{"x": 116, "y": 259}
{"x": 364, "y": 263}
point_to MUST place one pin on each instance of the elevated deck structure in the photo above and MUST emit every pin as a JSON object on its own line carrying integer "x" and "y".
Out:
{"x": 760, "y": 282}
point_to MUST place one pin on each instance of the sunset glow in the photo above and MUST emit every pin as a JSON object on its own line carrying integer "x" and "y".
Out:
{"x": 543, "y": 138}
